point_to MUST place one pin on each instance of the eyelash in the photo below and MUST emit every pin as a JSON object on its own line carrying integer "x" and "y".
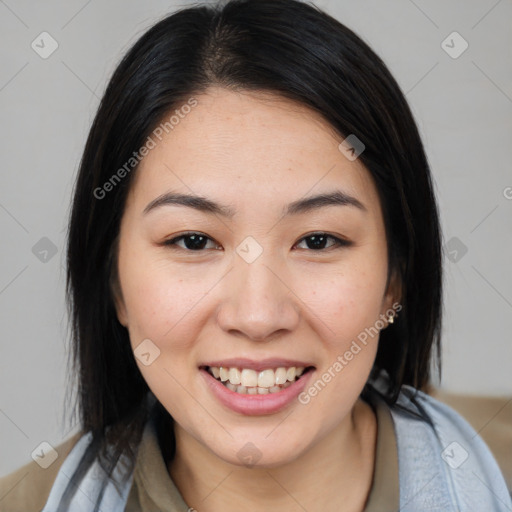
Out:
{"x": 339, "y": 242}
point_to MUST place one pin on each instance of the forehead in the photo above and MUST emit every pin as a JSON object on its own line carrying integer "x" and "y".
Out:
{"x": 249, "y": 147}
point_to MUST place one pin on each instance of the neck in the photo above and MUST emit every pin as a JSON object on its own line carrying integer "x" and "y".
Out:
{"x": 334, "y": 474}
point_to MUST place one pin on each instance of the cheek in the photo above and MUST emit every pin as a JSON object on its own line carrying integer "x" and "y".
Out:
{"x": 159, "y": 300}
{"x": 160, "y": 308}
{"x": 347, "y": 307}
{"x": 160, "y": 305}
{"x": 345, "y": 301}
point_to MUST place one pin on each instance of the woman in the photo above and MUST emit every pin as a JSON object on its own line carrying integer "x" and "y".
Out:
{"x": 255, "y": 284}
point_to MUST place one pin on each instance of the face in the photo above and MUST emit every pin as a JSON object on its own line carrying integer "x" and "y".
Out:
{"x": 254, "y": 285}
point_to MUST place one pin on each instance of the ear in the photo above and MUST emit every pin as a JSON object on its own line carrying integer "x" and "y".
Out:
{"x": 121, "y": 311}
{"x": 119, "y": 304}
{"x": 393, "y": 294}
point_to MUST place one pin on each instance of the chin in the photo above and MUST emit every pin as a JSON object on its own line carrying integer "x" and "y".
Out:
{"x": 264, "y": 454}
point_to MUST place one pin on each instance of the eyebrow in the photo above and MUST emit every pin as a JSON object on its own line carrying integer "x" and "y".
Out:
{"x": 203, "y": 204}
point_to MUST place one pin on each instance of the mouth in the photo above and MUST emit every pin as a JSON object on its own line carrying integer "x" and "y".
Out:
{"x": 261, "y": 381}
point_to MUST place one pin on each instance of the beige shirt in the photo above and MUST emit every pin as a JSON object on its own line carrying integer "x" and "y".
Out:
{"x": 153, "y": 489}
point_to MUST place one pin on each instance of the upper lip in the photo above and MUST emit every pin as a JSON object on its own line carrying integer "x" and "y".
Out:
{"x": 260, "y": 365}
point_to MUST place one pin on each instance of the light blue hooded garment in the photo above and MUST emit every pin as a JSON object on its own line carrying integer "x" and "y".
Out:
{"x": 443, "y": 467}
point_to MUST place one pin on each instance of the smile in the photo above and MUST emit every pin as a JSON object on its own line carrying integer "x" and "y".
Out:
{"x": 260, "y": 390}
{"x": 250, "y": 382}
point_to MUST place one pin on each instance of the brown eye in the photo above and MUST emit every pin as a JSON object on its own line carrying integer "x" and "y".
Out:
{"x": 196, "y": 242}
{"x": 192, "y": 241}
{"x": 317, "y": 241}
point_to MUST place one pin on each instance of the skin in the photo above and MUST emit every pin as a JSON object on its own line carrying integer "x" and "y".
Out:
{"x": 256, "y": 153}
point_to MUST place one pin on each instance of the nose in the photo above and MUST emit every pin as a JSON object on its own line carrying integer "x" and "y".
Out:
{"x": 258, "y": 301}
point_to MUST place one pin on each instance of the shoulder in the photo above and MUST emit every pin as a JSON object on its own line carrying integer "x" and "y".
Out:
{"x": 443, "y": 462}
{"x": 27, "y": 488}
{"x": 491, "y": 417}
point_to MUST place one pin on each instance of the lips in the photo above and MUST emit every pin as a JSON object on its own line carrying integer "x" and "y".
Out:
{"x": 254, "y": 399}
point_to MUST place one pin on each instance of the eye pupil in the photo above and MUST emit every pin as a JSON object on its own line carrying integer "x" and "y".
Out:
{"x": 318, "y": 241}
{"x": 197, "y": 241}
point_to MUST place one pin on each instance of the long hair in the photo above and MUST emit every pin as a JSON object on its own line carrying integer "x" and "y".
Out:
{"x": 294, "y": 50}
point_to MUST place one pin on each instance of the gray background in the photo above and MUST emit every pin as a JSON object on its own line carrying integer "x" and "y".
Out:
{"x": 463, "y": 107}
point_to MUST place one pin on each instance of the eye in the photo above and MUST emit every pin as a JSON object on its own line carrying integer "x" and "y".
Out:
{"x": 193, "y": 241}
{"x": 196, "y": 242}
{"x": 317, "y": 240}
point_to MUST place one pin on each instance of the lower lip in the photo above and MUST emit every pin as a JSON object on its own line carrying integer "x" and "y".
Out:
{"x": 254, "y": 405}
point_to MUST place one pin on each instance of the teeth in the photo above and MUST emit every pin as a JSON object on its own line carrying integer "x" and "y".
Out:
{"x": 224, "y": 374}
{"x": 266, "y": 379}
{"x": 234, "y": 376}
{"x": 281, "y": 375}
{"x": 247, "y": 381}
{"x": 230, "y": 386}
{"x": 249, "y": 378}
